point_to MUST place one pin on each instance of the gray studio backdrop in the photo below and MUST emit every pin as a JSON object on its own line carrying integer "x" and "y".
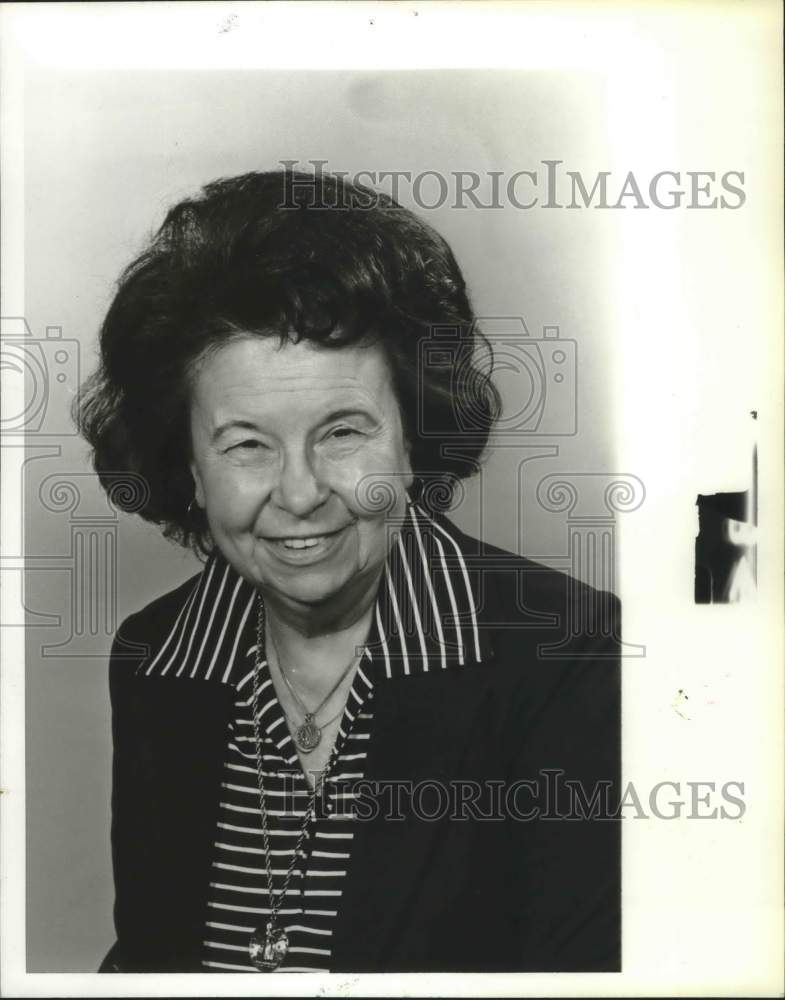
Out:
{"x": 105, "y": 154}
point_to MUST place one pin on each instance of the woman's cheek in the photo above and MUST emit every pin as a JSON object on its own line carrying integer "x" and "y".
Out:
{"x": 369, "y": 482}
{"x": 236, "y": 496}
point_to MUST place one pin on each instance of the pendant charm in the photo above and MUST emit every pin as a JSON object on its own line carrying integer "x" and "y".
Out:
{"x": 268, "y": 948}
{"x": 308, "y": 736}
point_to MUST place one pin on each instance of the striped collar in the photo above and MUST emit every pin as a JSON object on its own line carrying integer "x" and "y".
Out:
{"x": 425, "y": 617}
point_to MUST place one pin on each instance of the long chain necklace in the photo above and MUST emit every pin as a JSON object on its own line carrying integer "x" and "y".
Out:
{"x": 308, "y": 734}
{"x": 268, "y": 947}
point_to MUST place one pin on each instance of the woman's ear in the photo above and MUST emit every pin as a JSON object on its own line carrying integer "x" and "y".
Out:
{"x": 408, "y": 476}
{"x": 198, "y": 486}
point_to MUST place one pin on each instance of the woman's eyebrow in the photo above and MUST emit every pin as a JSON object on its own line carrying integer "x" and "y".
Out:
{"x": 348, "y": 411}
{"x": 247, "y": 425}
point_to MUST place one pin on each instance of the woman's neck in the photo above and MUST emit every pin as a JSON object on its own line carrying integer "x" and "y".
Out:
{"x": 314, "y": 662}
{"x": 315, "y": 644}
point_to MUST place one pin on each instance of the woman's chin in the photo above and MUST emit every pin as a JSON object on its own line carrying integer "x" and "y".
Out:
{"x": 309, "y": 593}
{"x": 308, "y": 586}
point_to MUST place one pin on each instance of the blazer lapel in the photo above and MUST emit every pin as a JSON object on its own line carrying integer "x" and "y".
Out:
{"x": 427, "y": 728}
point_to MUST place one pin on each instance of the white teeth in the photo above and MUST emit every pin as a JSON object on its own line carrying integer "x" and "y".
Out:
{"x": 300, "y": 543}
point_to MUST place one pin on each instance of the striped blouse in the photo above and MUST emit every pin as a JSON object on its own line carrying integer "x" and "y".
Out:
{"x": 424, "y": 619}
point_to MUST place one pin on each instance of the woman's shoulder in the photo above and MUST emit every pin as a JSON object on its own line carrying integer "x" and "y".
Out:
{"x": 150, "y": 625}
{"x": 512, "y": 587}
{"x": 556, "y": 642}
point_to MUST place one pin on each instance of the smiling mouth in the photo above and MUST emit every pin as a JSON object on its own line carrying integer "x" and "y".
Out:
{"x": 302, "y": 543}
{"x": 298, "y": 543}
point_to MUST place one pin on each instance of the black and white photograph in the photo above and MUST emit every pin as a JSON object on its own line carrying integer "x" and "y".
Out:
{"x": 392, "y": 514}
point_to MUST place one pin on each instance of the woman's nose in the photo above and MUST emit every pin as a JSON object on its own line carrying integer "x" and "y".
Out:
{"x": 299, "y": 488}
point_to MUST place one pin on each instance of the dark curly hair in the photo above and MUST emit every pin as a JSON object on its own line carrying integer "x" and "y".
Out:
{"x": 298, "y": 256}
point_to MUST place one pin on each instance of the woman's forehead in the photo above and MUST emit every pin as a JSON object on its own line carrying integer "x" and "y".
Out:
{"x": 263, "y": 373}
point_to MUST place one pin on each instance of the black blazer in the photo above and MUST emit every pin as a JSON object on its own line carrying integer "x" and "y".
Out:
{"x": 445, "y": 895}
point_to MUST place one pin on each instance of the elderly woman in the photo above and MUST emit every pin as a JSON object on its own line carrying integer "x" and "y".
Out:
{"x": 339, "y": 746}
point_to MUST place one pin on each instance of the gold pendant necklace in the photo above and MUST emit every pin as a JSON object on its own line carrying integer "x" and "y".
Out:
{"x": 307, "y": 735}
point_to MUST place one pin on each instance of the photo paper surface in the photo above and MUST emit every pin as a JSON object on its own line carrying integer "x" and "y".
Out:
{"x": 608, "y": 180}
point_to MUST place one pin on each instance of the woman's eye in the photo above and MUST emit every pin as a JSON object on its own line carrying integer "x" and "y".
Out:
{"x": 249, "y": 445}
{"x": 344, "y": 432}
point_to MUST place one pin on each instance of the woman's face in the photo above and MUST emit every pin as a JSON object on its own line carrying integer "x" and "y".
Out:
{"x": 283, "y": 440}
